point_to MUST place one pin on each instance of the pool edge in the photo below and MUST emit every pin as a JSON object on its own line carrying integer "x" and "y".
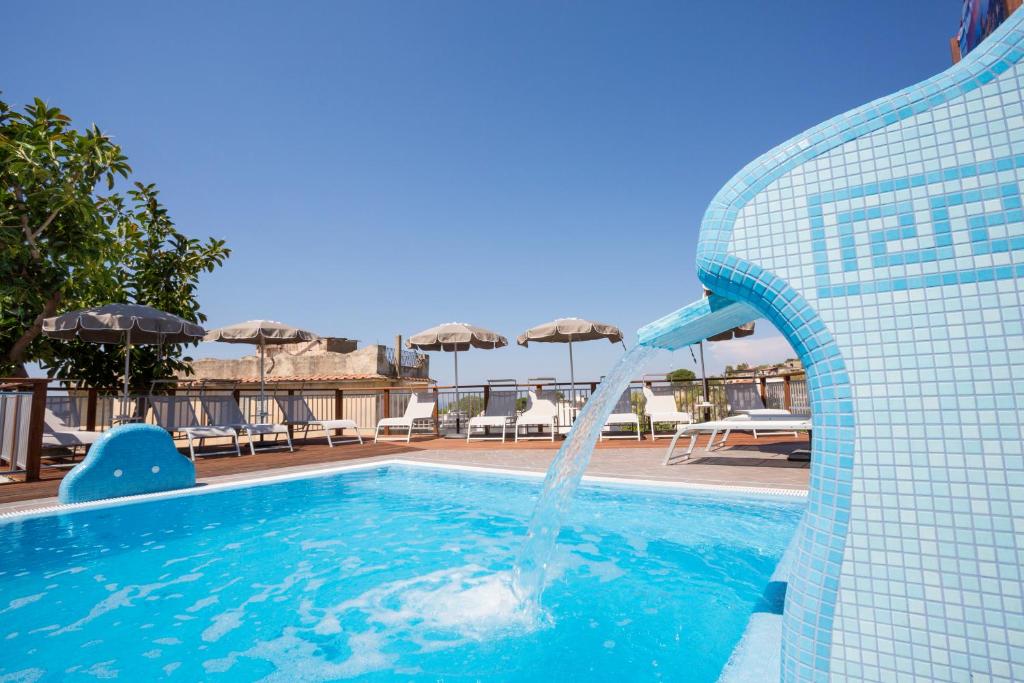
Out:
{"x": 267, "y": 479}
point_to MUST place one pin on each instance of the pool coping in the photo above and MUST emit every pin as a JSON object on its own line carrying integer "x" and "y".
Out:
{"x": 267, "y": 479}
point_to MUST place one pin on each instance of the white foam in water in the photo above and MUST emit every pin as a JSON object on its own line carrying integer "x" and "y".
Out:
{"x": 452, "y": 605}
{"x": 564, "y": 476}
{"x": 436, "y": 611}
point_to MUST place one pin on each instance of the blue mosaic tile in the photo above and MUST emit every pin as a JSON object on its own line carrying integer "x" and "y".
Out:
{"x": 887, "y": 246}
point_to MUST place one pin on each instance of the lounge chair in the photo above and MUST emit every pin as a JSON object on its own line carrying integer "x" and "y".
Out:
{"x": 421, "y": 408}
{"x": 57, "y": 434}
{"x": 540, "y": 412}
{"x": 743, "y": 398}
{"x": 729, "y": 425}
{"x": 500, "y": 411}
{"x": 297, "y": 413}
{"x": 622, "y": 414}
{"x": 660, "y": 406}
{"x": 177, "y": 415}
{"x": 223, "y": 410}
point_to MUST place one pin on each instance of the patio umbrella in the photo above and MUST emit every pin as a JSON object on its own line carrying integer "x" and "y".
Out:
{"x": 456, "y": 337}
{"x": 569, "y": 330}
{"x": 130, "y": 323}
{"x": 261, "y": 333}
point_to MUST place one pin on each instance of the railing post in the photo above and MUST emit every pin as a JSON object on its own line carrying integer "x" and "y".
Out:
{"x": 92, "y": 397}
{"x": 763, "y": 384}
{"x": 34, "y": 454}
{"x": 437, "y": 403}
{"x": 386, "y": 410}
{"x": 787, "y": 393}
{"x": 291, "y": 427}
{"x": 487, "y": 399}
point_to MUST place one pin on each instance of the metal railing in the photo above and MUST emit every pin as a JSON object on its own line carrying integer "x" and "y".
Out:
{"x": 22, "y": 404}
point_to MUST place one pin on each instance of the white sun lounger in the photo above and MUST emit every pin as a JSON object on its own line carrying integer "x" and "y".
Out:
{"x": 500, "y": 411}
{"x": 297, "y": 413}
{"x": 622, "y": 414}
{"x": 730, "y": 425}
{"x": 660, "y": 406}
{"x": 421, "y": 408}
{"x": 176, "y": 414}
{"x": 743, "y": 398}
{"x": 541, "y": 412}
{"x": 222, "y": 410}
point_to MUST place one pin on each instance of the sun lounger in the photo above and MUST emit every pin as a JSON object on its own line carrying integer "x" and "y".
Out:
{"x": 177, "y": 415}
{"x": 420, "y": 409}
{"x": 223, "y": 410}
{"x": 730, "y": 425}
{"x": 660, "y": 407}
{"x": 540, "y": 412}
{"x": 57, "y": 434}
{"x": 298, "y": 414}
{"x": 622, "y": 415}
{"x": 744, "y": 398}
{"x": 500, "y": 411}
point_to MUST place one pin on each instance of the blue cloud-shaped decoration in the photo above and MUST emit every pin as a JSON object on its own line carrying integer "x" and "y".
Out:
{"x": 126, "y": 461}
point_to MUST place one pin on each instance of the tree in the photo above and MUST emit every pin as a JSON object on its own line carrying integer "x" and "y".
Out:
{"x": 681, "y": 375}
{"x": 149, "y": 262}
{"x": 65, "y": 246}
{"x": 51, "y": 220}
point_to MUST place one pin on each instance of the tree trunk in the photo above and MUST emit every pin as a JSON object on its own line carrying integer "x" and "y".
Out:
{"x": 16, "y": 354}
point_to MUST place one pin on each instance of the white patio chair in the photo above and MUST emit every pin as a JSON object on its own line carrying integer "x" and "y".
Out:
{"x": 223, "y": 410}
{"x": 297, "y": 413}
{"x": 177, "y": 415}
{"x": 500, "y": 411}
{"x": 421, "y": 408}
{"x": 540, "y": 412}
{"x": 660, "y": 406}
{"x": 622, "y": 415}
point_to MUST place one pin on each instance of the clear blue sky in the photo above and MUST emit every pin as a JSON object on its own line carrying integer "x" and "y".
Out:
{"x": 379, "y": 167}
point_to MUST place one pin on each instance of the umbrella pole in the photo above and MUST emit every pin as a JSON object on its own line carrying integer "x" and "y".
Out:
{"x": 458, "y": 419}
{"x": 703, "y": 375}
{"x": 127, "y": 371}
{"x": 572, "y": 382}
{"x": 263, "y": 390}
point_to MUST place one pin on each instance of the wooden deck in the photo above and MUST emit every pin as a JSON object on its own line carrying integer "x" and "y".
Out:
{"x": 745, "y": 462}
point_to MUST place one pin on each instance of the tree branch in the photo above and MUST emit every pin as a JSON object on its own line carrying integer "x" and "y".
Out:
{"x": 30, "y": 237}
{"x": 49, "y": 219}
{"x": 16, "y": 354}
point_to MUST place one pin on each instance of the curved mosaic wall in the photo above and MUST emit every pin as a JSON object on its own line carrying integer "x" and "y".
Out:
{"x": 887, "y": 245}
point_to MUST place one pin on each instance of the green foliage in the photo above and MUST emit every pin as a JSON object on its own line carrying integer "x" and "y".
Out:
{"x": 63, "y": 245}
{"x": 681, "y": 375}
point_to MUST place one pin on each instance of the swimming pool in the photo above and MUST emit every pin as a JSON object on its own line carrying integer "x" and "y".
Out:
{"x": 390, "y": 572}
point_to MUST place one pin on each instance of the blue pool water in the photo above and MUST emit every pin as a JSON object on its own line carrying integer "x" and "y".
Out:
{"x": 391, "y": 573}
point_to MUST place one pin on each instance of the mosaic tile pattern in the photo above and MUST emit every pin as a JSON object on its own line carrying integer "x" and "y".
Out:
{"x": 127, "y": 461}
{"x": 887, "y": 245}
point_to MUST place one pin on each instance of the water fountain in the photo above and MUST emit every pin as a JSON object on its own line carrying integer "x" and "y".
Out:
{"x": 564, "y": 476}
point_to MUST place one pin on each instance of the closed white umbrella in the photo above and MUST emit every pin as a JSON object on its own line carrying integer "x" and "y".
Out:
{"x": 261, "y": 333}
{"x": 455, "y": 337}
{"x": 130, "y": 323}
{"x": 567, "y": 331}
